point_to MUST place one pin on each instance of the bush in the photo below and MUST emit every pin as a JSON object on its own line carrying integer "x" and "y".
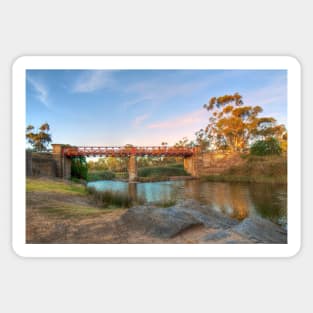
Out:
{"x": 109, "y": 198}
{"x": 104, "y": 175}
{"x": 79, "y": 168}
{"x": 161, "y": 171}
{"x": 266, "y": 147}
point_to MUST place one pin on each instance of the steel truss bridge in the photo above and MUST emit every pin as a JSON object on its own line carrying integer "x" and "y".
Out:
{"x": 128, "y": 151}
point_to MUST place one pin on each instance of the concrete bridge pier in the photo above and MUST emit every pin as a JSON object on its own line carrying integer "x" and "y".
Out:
{"x": 63, "y": 163}
{"x": 132, "y": 168}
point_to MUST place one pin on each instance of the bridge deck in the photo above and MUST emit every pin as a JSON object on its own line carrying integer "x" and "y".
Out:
{"x": 127, "y": 151}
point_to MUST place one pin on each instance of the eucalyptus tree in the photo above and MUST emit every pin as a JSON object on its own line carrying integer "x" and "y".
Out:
{"x": 234, "y": 126}
{"x": 39, "y": 139}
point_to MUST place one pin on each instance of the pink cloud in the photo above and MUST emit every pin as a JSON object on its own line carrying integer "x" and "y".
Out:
{"x": 194, "y": 118}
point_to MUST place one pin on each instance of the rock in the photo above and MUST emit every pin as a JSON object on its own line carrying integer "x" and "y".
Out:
{"x": 217, "y": 236}
{"x": 168, "y": 222}
{"x": 158, "y": 222}
{"x": 260, "y": 230}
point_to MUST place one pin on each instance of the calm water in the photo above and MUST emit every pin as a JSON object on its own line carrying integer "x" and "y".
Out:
{"x": 237, "y": 200}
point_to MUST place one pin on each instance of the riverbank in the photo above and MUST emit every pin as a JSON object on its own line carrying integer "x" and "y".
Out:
{"x": 255, "y": 169}
{"x": 63, "y": 212}
{"x": 145, "y": 174}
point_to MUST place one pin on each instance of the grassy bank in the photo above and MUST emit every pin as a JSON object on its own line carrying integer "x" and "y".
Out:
{"x": 61, "y": 200}
{"x": 54, "y": 185}
{"x": 257, "y": 169}
{"x": 162, "y": 171}
{"x": 100, "y": 175}
{"x": 145, "y": 174}
{"x": 113, "y": 199}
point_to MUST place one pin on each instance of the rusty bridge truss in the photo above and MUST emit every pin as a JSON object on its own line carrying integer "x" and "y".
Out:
{"x": 128, "y": 151}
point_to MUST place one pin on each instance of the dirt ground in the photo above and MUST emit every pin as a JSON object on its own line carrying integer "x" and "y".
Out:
{"x": 50, "y": 218}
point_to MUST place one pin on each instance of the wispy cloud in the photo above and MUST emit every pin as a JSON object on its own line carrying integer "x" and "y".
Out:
{"x": 159, "y": 91}
{"x": 40, "y": 89}
{"x": 93, "y": 80}
{"x": 194, "y": 118}
{"x": 275, "y": 92}
{"x": 140, "y": 119}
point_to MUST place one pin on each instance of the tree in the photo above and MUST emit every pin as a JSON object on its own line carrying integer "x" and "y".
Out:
{"x": 269, "y": 146}
{"x": 234, "y": 126}
{"x": 38, "y": 140}
{"x": 79, "y": 168}
{"x": 184, "y": 142}
{"x": 202, "y": 140}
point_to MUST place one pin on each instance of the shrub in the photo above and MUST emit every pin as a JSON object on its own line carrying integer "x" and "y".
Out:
{"x": 266, "y": 147}
{"x": 104, "y": 175}
{"x": 107, "y": 198}
{"x": 79, "y": 168}
{"x": 161, "y": 171}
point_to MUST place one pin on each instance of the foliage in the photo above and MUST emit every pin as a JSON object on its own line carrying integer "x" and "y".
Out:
{"x": 165, "y": 203}
{"x": 79, "y": 167}
{"x": 109, "y": 198}
{"x": 40, "y": 139}
{"x": 233, "y": 126}
{"x": 112, "y": 164}
{"x": 269, "y": 146}
{"x": 120, "y": 165}
{"x": 202, "y": 141}
{"x": 162, "y": 171}
{"x": 184, "y": 142}
{"x": 100, "y": 175}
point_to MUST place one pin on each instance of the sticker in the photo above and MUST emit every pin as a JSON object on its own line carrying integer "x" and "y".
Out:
{"x": 156, "y": 156}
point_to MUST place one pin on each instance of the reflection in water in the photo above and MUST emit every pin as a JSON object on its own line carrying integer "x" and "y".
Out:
{"x": 237, "y": 200}
{"x": 132, "y": 191}
{"x": 230, "y": 199}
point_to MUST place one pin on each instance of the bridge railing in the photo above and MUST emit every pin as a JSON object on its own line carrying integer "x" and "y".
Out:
{"x": 127, "y": 151}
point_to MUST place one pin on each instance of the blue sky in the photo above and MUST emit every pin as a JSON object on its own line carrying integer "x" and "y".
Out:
{"x": 142, "y": 107}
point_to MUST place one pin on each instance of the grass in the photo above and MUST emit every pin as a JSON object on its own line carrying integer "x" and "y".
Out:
{"x": 67, "y": 211}
{"x": 113, "y": 199}
{"x": 258, "y": 169}
{"x": 245, "y": 179}
{"x": 71, "y": 200}
{"x": 160, "y": 171}
{"x": 165, "y": 203}
{"x": 152, "y": 179}
{"x": 58, "y": 186}
{"x": 100, "y": 175}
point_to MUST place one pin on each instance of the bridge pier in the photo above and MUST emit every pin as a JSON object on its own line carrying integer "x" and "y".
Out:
{"x": 132, "y": 168}
{"x": 63, "y": 163}
{"x": 193, "y": 164}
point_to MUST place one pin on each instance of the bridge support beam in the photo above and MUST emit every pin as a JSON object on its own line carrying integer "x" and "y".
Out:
{"x": 132, "y": 168}
{"x": 63, "y": 163}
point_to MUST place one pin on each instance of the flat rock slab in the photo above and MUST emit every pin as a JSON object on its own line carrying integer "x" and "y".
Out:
{"x": 260, "y": 230}
{"x": 158, "y": 222}
{"x": 168, "y": 222}
{"x": 217, "y": 235}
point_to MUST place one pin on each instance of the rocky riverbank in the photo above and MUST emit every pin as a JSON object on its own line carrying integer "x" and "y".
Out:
{"x": 68, "y": 215}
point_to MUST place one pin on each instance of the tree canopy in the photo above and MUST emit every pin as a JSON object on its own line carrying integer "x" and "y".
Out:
{"x": 39, "y": 139}
{"x": 234, "y": 126}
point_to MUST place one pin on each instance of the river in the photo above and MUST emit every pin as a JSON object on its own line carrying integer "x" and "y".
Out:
{"x": 236, "y": 200}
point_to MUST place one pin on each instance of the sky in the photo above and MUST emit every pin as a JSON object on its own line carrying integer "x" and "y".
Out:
{"x": 142, "y": 107}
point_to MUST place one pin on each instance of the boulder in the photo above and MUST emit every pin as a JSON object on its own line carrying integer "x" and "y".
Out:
{"x": 168, "y": 222}
{"x": 261, "y": 230}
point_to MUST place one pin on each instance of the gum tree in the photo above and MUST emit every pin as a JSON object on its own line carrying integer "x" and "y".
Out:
{"x": 233, "y": 125}
{"x": 39, "y": 139}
